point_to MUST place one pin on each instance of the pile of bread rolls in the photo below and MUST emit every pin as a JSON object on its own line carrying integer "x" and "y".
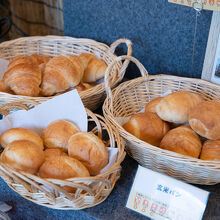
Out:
{"x": 39, "y": 75}
{"x": 62, "y": 151}
{"x": 182, "y": 122}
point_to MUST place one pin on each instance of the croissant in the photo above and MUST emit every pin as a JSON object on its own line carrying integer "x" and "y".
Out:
{"x": 41, "y": 60}
{"x": 4, "y": 88}
{"x": 83, "y": 86}
{"x": 60, "y": 74}
{"x": 94, "y": 68}
{"x": 23, "y": 76}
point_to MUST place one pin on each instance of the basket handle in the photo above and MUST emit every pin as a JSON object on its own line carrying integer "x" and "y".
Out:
{"x": 143, "y": 71}
{"x": 113, "y": 47}
{"x": 115, "y": 44}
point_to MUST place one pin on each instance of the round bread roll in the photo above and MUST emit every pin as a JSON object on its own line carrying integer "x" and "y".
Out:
{"x": 50, "y": 153}
{"x": 15, "y": 134}
{"x": 63, "y": 167}
{"x": 90, "y": 150}
{"x": 23, "y": 155}
{"x": 151, "y": 106}
{"x": 57, "y": 134}
{"x": 210, "y": 150}
{"x": 147, "y": 127}
{"x": 182, "y": 140}
{"x": 176, "y": 106}
{"x": 204, "y": 119}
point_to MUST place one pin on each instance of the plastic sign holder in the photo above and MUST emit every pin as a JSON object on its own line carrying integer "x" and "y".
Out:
{"x": 162, "y": 197}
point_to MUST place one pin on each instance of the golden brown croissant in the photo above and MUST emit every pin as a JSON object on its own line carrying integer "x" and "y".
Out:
{"x": 41, "y": 60}
{"x": 23, "y": 76}
{"x": 61, "y": 73}
{"x": 4, "y": 88}
{"x": 83, "y": 86}
{"x": 94, "y": 68}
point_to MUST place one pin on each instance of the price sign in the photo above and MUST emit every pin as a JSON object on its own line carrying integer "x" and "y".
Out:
{"x": 213, "y": 5}
{"x": 161, "y": 197}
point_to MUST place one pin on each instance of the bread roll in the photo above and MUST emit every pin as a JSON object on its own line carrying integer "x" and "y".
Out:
{"x": 147, "y": 127}
{"x": 23, "y": 76}
{"x": 50, "y": 153}
{"x": 23, "y": 155}
{"x": 182, "y": 140}
{"x": 210, "y": 150}
{"x": 57, "y": 134}
{"x": 15, "y": 134}
{"x": 63, "y": 167}
{"x": 205, "y": 119}
{"x": 90, "y": 150}
{"x": 176, "y": 106}
{"x": 94, "y": 68}
{"x": 60, "y": 74}
{"x": 151, "y": 106}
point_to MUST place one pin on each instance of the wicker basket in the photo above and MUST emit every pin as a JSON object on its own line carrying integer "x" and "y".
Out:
{"x": 131, "y": 96}
{"x": 58, "y": 45}
{"x": 90, "y": 191}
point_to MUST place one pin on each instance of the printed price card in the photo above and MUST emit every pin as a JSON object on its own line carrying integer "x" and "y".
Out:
{"x": 213, "y": 5}
{"x": 161, "y": 197}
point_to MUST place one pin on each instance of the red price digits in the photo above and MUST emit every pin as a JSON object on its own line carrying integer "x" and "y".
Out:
{"x": 137, "y": 201}
{"x": 145, "y": 205}
{"x": 162, "y": 210}
{"x": 154, "y": 207}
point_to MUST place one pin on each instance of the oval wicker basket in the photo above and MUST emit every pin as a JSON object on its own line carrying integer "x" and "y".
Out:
{"x": 59, "y": 45}
{"x": 131, "y": 96}
{"x": 90, "y": 191}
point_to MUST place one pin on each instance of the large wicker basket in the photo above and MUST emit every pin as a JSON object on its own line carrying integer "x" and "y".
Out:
{"x": 131, "y": 96}
{"x": 59, "y": 45}
{"x": 90, "y": 191}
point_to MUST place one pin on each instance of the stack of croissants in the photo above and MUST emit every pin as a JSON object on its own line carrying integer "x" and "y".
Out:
{"x": 40, "y": 75}
{"x": 61, "y": 152}
{"x": 182, "y": 122}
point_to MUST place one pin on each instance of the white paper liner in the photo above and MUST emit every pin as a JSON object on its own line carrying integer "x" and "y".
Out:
{"x": 67, "y": 106}
{"x": 112, "y": 158}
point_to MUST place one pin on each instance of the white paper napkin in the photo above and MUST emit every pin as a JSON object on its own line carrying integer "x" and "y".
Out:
{"x": 112, "y": 158}
{"x": 67, "y": 106}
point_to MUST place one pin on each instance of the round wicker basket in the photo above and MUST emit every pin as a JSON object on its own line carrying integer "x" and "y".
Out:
{"x": 59, "y": 45}
{"x": 90, "y": 191}
{"x": 131, "y": 96}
